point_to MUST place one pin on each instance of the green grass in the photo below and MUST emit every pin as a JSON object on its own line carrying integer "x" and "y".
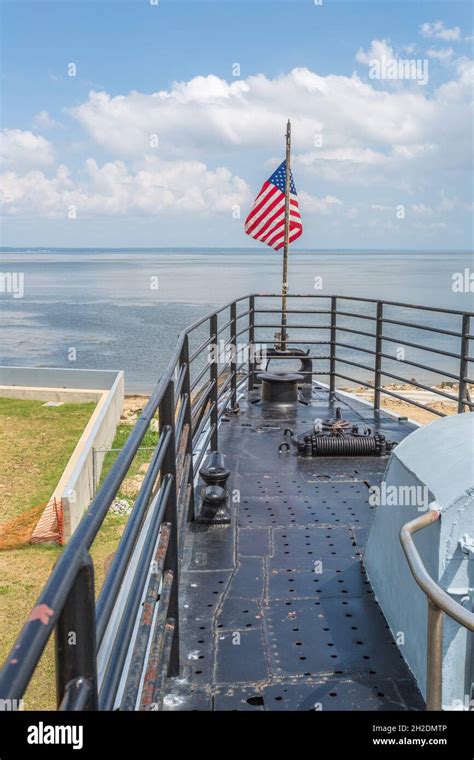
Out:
{"x": 24, "y": 572}
{"x": 36, "y": 443}
{"x": 38, "y": 440}
{"x": 142, "y": 456}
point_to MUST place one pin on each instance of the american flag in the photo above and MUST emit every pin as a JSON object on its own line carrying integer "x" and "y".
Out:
{"x": 266, "y": 221}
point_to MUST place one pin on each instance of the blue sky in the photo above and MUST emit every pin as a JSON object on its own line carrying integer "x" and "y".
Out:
{"x": 79, "y": 169}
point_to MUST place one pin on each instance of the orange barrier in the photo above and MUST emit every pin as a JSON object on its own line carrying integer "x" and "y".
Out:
{"x": 58, "y": 509}
{"x": 49, "y": 528}
{"x": 43, "y": 523}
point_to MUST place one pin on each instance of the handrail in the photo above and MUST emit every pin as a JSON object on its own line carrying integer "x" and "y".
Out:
{"x": 439, "y": 602}
{"x": 70, "y": 584}
{"x": 432, "y": 590}
{"x": 365, "y": 300}
{"x": 193, "y": 407}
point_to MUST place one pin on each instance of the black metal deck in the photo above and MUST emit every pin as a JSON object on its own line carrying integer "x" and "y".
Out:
{"x": 257, "y": 626}
{"x": 276, "y": 609}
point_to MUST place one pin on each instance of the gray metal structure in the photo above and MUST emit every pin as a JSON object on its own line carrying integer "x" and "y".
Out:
{"x": 238, "y": 611}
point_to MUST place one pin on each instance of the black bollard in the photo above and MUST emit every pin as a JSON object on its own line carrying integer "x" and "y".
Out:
{"x": 214, "y": 509}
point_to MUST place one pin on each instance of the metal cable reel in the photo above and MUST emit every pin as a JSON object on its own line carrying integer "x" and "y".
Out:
{"x": 337, "y": 437}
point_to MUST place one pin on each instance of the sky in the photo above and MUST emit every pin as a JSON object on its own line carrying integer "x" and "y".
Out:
{"x": 155, "y": 122}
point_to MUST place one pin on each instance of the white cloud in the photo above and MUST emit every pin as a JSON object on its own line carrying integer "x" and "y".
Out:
{"x": 111, "y": 189}
{"x": 313, "y": 205}
{"x": 35, "y": 192}
{"x": 437, "y": 30}
{"x": 24, "y": 150}
{"x": 360, "y": 125}
{"x": 378, "y": 51}
{"x": 448, "y": 204}
{"x": 354, "y": 155}
{"x": 441, "y": 54}
{"x": 133, "y": 122}
{"x": 43, "y": 120}
{"x": 388, "y": 142}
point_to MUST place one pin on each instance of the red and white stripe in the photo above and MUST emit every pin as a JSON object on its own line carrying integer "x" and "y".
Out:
{"x": 266, "y": 220}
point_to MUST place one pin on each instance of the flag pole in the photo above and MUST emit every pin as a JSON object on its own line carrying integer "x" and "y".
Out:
{"x": 284, "y": 284}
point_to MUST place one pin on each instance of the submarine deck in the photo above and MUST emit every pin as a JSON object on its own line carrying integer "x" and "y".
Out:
{"x": 276, "y": 611}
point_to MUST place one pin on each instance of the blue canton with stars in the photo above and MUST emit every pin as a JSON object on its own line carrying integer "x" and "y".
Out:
{"x": 278, "y": 178}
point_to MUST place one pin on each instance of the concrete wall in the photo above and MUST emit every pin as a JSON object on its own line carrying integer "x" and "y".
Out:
{"x": 439, "y": 456}
{"x": 106, "y": 388}
{"x": 78, "y": 490}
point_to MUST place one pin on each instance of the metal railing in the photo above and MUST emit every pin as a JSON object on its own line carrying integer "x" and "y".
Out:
{"x": 138, "y": 607}
{"x": 439, "y": 602}
{"x": 373, "y": 322}
{"x": 189, "y": 410}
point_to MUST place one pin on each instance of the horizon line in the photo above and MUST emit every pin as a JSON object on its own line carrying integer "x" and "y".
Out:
{"x": 220, "y": 248}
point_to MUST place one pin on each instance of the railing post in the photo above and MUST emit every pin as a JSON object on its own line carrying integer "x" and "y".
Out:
{"x": 76, "y": 649}
{"x": 378, "y": 358}
{"x": 463, "y": 363}
{"x": 233, "y": 363}
{"x": 332, "y": 365}
{"x": 213, "y": 377}
{"x": 251, "y": 341}
{"x": 188, "y": 422}
{"x": 167, "y": 419}
{"x": 434, "y": 663}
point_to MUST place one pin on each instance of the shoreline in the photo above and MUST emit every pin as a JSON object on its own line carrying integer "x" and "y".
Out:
{"x": 404, "y": 408}
{"x": 135, "y": 401}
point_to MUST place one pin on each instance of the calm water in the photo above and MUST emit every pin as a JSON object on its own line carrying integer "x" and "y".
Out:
{"x": 103, "y": 303}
